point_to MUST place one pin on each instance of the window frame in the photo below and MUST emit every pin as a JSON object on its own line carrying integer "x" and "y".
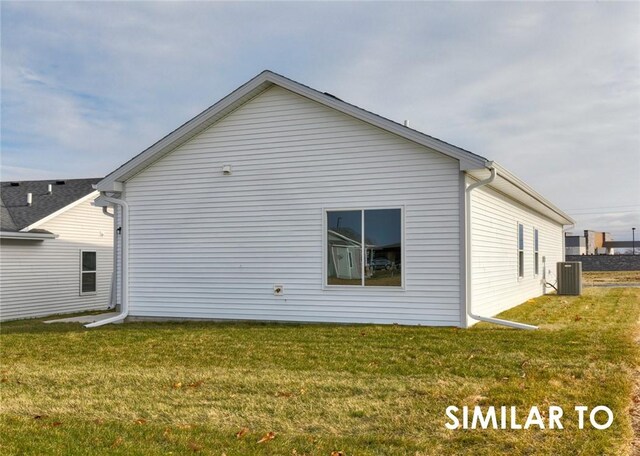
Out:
{"x": 520, "y": 251}
{"x": 536, "y": 252}
{"x": 363, "y": 286}
{"x": 82, "y": 272}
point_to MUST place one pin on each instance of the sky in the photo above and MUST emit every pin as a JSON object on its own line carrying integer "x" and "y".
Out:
{"x": 551, "y": 91}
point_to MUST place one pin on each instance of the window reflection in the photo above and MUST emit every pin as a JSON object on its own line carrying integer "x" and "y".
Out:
{"x": 383, "y": 239}
{"x": 344, "y": 245}
{"x": 380, "y": 264}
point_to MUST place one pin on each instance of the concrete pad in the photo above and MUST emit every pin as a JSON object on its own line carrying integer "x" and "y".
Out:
{"x": 84, "y": 318}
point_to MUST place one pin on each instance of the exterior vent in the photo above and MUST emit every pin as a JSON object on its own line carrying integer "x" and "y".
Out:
{"x": 569, "y": 275}
{"x": 60, "y": 182}
{"x": 15, "y": 184}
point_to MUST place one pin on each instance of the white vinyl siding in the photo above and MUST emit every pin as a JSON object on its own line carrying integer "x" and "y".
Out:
{"x": 42, "y": 277}
{"x": 494, "y": 239}
{"x": 205, "y": 245}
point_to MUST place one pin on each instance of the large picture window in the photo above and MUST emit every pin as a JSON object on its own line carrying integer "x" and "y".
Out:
{"x": 520, "y": 250}
{"x": 88, "y": 266}
{"x": 364, "y": 247}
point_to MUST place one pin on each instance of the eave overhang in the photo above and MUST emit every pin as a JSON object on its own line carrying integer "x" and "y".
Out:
{"x": 515, "y": 188}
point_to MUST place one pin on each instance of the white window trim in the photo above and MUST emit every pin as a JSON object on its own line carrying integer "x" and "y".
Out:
{"x": 536, "y": 252}
{"x": 326, "y": 286}
{"x": 85, "y": 293}
{"x": 518, "y": 250}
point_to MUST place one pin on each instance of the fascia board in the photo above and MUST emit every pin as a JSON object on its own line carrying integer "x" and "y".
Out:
{"x": 182, "y": 134}
{"x": 517, "y": 182}
{"x": 26, "y": 236}
{"x": 60, "y": 211}
{"x": 467, "y": 159}
{"x": 112, "y": 182}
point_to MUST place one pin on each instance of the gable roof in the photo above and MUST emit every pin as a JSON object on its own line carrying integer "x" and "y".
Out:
{"x": 251, "y": 89}
{"x": 6, "y": 222}
{"x": 16, "y": 215}
{"x": 472, "y": 163}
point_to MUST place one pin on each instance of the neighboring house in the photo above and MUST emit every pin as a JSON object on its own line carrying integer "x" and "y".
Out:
{"x": 254, "y": 208}
{"x": 56, "y": 249}
{"x": 589, "y": 243}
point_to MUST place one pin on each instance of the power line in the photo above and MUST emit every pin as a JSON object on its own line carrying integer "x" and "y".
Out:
{"x": 602, "y": 212}
{"x": 602, "y": 207}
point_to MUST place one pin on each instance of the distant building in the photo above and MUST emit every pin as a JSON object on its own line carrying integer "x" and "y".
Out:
{"x": 589, "y": 243}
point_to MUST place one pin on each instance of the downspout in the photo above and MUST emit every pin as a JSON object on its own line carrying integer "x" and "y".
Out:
{"x": 112, "y": 293}
{"x": 124, "y": 311}
{"x": 467, "y": 205}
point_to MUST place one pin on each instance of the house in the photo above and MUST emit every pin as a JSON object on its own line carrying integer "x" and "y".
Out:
{"x": 56, "y": 249}
{"x": 590, "y": 243}
{"x": 258, "y": 208}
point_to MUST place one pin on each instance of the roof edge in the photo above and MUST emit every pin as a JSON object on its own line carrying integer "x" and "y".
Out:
{"x": 252, "y": 88}
{"x": 19, "y": 235}
{"x": 513, "y": 180}
{"x": 516, "y": 181}
{"x": 36, "y": 224}
{"x": 113, "y": 180}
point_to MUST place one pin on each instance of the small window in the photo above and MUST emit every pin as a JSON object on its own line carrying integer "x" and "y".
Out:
{"x": 536, "y": 256}
{"x": 520, "y": 250}
{"x": 88, "y": 266}
{"x": 364, "y": 248}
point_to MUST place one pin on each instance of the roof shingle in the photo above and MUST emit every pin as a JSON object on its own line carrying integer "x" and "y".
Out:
{"x": 15, "y": 214}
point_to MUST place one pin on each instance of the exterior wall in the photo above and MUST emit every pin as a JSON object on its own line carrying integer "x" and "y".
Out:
{"x": 575, "y": 250}
{"x": 494, "y": 241}
{"x": 590, "y": 236}
{"x": 39, "y": 278}
{"x": 575, "y": 245}
{"x": 204, "y": 245}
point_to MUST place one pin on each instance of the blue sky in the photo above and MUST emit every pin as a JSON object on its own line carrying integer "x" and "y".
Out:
{"x": 549, "y": 90}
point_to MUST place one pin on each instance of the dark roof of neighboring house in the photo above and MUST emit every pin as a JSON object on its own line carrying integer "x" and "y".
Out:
{"x": 15, "y": 214}
{"x": 5, "y": 218}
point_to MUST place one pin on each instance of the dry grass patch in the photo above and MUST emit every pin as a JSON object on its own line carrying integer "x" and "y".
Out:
{"x": 212, "y": 388}
{"x": 617, "y": 277}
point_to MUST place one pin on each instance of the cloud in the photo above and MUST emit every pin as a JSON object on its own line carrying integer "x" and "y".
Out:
{"x": 549, "y": 90}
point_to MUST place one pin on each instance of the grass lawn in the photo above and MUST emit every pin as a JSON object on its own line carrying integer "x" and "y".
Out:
{"x": 187, "y": 388}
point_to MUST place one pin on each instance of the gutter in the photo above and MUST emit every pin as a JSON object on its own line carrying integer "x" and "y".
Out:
{"x": 468, "y": 252}
{"x": 518, "y": 183}
{"x": 27, "y": 236}
{"x": 124, "y": 311}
